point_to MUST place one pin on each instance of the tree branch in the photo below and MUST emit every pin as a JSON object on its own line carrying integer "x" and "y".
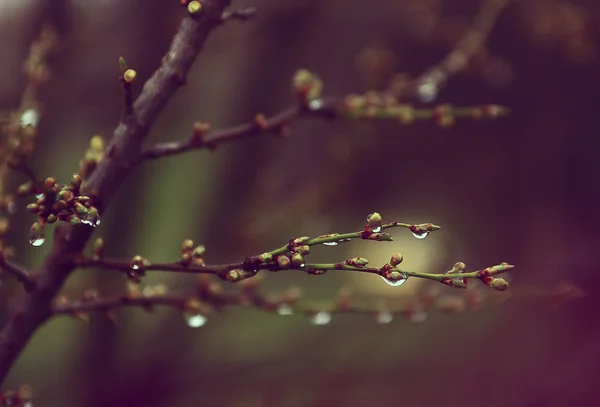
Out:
{"x": 35, "y": 306}
{"x": 355, "y": 107}
{"x": 21, "y": 274}
{"x": 292, "y": 257}
{"x": 427, "y": 85}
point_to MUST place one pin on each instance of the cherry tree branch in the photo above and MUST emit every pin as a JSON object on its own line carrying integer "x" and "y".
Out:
{"x": 292, "y": 257}
{"x": 354, "y": 107}
{"x": 427, "y": 85}
{"x": 34, "y": 308}
{"x": 21, "y": 274}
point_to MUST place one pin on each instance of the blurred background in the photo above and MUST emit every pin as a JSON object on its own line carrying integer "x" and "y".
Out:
{"x": 521, "y": 189}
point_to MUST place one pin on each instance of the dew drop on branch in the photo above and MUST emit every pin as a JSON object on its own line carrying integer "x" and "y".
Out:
{"x": 36, "y": 239}
{"x": 194, "y": 320}
{"x": 330, "y": 243}
{"x": 385, "y": 317}
{"x": 427, "y": 91}
{"x": 421, "y": 235}
{"x": 320, "y": 318}
{"x": 285, "y": 309}
{"x": 395, "y": 283}
{"x": 316, "y": 104}
{"x": 29, "y": 117}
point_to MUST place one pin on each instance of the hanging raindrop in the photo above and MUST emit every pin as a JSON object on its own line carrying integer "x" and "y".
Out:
{"x": 320, "y": 318}
{"x": 385, "y": 317}
{"x": 285, "y": 309}
{"x": 36, "y": 238}
{"x": 194, "y": 320}
{"x": 330, "y": 243}
{"x": 421, "y": 235}
{"x": 395, "y": 282}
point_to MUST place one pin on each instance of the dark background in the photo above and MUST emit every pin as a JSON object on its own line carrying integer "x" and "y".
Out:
{"x": 522, "y": 189}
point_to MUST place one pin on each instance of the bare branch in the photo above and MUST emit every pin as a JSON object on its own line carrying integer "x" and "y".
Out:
{"x": 21, "y": 274}
{"x": 292, "y": 257}
{"x": 242, "y": 14}
{"x": 368, "y": 107}
{"x": 428, "y": 84}
{"x": 35, "y": 307}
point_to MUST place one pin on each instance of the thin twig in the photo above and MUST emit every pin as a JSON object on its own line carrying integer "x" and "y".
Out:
{"x": 458, "y": 58}
{"x": 242, "y": 14}
{"x": 21, "y": 274}
{"x": 329, "y": 108}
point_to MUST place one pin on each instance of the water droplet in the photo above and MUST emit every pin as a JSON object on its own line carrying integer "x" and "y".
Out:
{"x": 302, "y": 265}
{"x": 330, "y": 243}
{"x": 39, "y": 196}
{"x": 29, "y": 118}
{"x": 422, "y": 235}
{"x": 427, "y": 91}
{"x": 385, "y": 317}
{"x": 321, "y": 318}
{"x": 377, "y": 229}
{"x": 315, "y": 104}
{"x": 37, "y": 239}
{"x": 285, "y": 309}
{"x": 135, "y": 266}
{"x": 393, "y": 282}
{"x": 12, "y": 208}
{"x": 194, "y": 320}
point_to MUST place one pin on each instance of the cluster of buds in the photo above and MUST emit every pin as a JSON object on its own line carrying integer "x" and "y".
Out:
{"x": 192, "y": 255}
{"x": 487, "y": 277}
{"x": 92, "y": 156}
{"x": 17, "y": 398}
{"x": 307, "y": 86}
{"x": 63, "y": 203}
{"x": 293, "y": 258}
{"x": 458, "y": 268}
{"x": 373, "y": 229}
{"x": 390, "y": 273}
{"x": 375, "y": 105}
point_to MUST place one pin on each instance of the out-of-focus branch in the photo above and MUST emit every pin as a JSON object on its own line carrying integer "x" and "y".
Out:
{"x": 371, "y": 106}
{"x": 21, "y": 274}
{"x": 427, "y": 85}
{"x": 242, "y": 14}
{"x": 35, "y": 306}
{"x": 198, "y": 305}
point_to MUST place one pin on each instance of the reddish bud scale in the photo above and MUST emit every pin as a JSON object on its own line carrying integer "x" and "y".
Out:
{"x": 315, "y": 272}
{"x": 261, "y": 122}
{"x": 185, "y": 259}
{"x": 386, "y": 268}
{"x": 366, "y": 233}
{"x": 487, "y": 280}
